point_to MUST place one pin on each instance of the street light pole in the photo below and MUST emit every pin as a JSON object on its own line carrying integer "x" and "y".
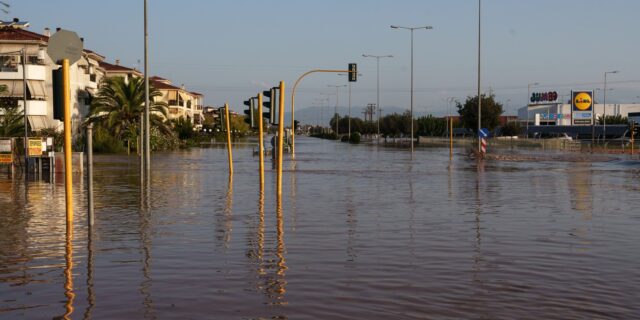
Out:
{"x": 528, "y": 100}
{"x": 147, "y": 142}
{"x": 479, "y": 97}
{"x": 604, "y": 106}
{"x": 24, "y": 107}
{"x": 349, "y": 86}
{"x": 378, "y": 82}
{"x": 336, "y": 107}
{"x": 411, "y": 109}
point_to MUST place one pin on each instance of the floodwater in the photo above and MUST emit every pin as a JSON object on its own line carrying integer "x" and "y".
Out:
{"x": 361, "y": 232}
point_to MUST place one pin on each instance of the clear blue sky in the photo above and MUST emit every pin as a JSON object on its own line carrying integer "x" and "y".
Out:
{"x": 230, "y": 50}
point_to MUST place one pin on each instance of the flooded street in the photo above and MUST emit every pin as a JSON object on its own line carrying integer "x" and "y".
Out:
{"x": 362, "y": 233}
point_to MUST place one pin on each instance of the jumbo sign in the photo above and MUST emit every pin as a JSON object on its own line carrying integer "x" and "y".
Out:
{"x": 539, "y": 97}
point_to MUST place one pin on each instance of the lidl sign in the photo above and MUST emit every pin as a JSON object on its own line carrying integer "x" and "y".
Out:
{"x": 582, "y": 100}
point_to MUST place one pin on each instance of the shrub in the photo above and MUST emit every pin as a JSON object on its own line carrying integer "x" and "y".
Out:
{"x": 354, "y": 138}
{"x": 511, "y": 129}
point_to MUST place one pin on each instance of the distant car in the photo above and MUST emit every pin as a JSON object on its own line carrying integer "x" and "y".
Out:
{"x": 565, "y": 137}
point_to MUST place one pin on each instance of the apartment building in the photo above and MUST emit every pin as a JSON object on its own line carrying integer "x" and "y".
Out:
{"x": 181, "y": 103}
{"x": 25, "y": 63}
{"x": 85, "y": 75}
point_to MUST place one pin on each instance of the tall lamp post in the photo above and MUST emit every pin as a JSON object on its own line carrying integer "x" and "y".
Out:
{"x": 336, "y": 107}
{"x": 378, "y": 84}
{"x": 479, "y": 97}
{"x": 411, "y": 110}
{"x": 147, "y": 123}
{"x": 604, "y": 106}
{"x": 349, "y": 122}
{"x": 528, "y": 102}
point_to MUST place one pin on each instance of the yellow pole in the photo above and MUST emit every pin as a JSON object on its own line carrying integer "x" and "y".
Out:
{"x": 68, "y": 180}
{"x": 260, "y": 140}
{"x": 280, "y": 137}
{"x": 226, "y": 110}
{"x": 293, "y": 97}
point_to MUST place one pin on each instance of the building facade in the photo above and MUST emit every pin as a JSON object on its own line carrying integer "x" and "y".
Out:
{"x": 24, "y": 62}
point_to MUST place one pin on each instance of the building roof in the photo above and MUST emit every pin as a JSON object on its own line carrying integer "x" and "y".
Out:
{"x": 109, "y": 67}
{"x": 18, "y": 34}
{"x": 91, "y": 52}
{"x": 196, "y": 93}
{"x": 162, "y": 84}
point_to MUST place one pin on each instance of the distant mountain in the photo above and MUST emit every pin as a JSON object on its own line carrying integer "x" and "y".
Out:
{"x": 322, "y": 115}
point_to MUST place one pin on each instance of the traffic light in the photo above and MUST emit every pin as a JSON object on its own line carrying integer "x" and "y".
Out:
{"x": 250, "y": 118}
{"x": 353, "y": 72}
{"x": 271, "y": 105}
{"x": 58, "y": 103}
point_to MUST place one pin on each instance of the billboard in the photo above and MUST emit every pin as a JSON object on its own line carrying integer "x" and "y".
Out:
{"x": 6, "y": 154}
{"x": 582, "y": 107}
{"x": 35, "y": 147}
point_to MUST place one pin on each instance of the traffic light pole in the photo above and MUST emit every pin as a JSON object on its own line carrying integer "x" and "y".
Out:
{"x": 226, "y": 111}
{"x": 293, "y": 99}
{"x": 68, "y": 178}
{"x": 260, "y": 141}
{"x": 280, "y": 137}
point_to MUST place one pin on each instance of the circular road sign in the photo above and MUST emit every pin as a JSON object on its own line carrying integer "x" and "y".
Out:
{"x": 65, "y": 44}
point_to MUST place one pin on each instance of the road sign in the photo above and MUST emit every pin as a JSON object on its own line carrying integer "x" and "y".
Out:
{"x": 35, "y": 147}
{"x": 483, "y": 133}
{"x": 65, "y": 44}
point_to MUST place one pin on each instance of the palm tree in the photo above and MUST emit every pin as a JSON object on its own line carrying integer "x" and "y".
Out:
{"x": 119, "y": 105}
{"x": 11, "y": 120}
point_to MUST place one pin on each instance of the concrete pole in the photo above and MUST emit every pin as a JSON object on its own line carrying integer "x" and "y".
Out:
{"x": 90, "y": 173}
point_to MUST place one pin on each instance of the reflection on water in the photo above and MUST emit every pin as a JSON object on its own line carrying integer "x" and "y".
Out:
{"x": 370, "y": 233}
{"x": 91, "y": 296}
{"x": 68, "y": 272}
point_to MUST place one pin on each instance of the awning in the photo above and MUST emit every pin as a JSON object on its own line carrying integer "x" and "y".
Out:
{"x": 14, "y": 88}
{"x": 37, "y": 123}
{"x": 36, "y": 88}
{"x": 172, "y": 95}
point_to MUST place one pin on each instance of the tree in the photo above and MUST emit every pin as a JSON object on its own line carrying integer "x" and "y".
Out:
{"x": 119, "y": 105}
{"x": 511, "y": 129}
{"x": 394, "y": 125}
{"x": 11, "y": 120}
{"x": 184, "y": 128}
{"x": 616, "y": 119}
{"x": 431, "y": 126}
{"x": 491, "y": 111}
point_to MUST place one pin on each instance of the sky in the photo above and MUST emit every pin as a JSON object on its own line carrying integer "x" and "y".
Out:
{"x": 231, "y": 50}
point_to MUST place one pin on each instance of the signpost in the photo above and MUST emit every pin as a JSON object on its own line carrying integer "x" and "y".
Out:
{"x": 483, "y": 134}
{"x": 65, "y": 47}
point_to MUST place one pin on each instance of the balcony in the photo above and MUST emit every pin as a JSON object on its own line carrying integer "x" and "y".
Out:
{"x": 173, "y": 103}
{"x": 34, "y": 72}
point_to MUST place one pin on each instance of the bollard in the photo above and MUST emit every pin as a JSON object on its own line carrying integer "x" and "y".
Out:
{"x": 90, "y": 172}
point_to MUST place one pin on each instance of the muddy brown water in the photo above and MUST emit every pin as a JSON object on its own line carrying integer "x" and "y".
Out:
{"x": 361, "y": 233}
